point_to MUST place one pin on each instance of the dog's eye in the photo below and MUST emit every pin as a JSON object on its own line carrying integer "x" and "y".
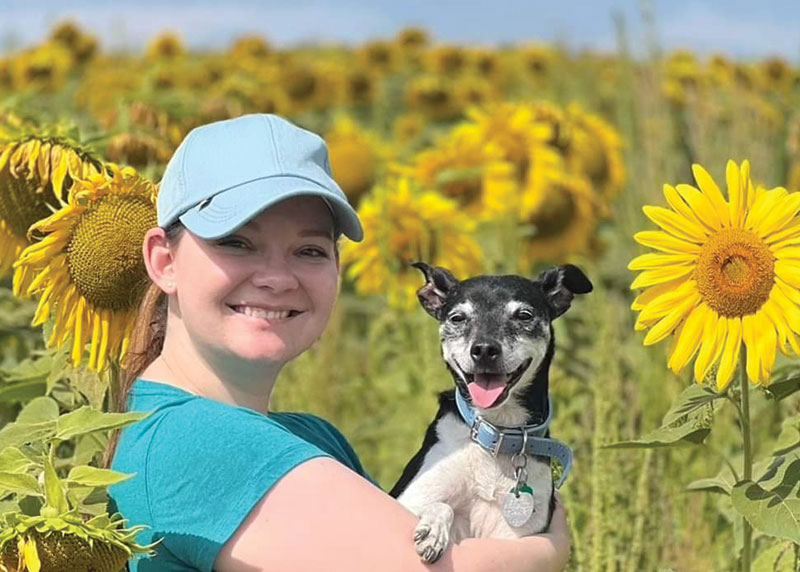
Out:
{"x": 456, "y": 318}
{"x": 523, "y": 315}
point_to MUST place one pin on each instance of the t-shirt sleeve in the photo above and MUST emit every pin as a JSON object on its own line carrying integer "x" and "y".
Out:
{"x": 207, "y": 467}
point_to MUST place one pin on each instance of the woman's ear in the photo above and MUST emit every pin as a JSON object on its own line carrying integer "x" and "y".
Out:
{"x": 159, "y": 259}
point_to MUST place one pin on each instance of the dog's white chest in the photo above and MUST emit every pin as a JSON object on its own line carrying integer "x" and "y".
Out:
{"x": 476, "y": 482}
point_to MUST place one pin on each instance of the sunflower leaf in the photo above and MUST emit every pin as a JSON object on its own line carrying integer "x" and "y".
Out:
{"x": 85, "y": 475}
{"x": 87, "y": 420}
{"x": 688, "y": 421}
{"x": 783, "y": 387}
{"x": 56, "y": 497}
{"x": 16, "y": 434}
{"x": 772, "y": 504}
{"x": 789, "y": 438}
{"x": 38, "y": 410}
{"x": 18, "y": 483}
{"x": 13, "y": 460}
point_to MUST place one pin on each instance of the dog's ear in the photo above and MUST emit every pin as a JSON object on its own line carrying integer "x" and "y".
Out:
{"x": 561, "y": 283}
{"x": 438, "y": 283}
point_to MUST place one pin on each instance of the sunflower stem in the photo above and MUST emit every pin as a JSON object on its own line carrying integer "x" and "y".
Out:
{"x": 748, "y": 454}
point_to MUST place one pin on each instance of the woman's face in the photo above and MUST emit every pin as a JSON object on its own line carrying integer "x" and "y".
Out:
{"x": 263, "y": 293}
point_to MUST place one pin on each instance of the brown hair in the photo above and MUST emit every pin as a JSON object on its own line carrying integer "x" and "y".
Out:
{"x": 147, "y": 341}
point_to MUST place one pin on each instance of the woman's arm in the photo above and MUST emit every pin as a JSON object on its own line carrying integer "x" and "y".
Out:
{"x": 322, "y": 516}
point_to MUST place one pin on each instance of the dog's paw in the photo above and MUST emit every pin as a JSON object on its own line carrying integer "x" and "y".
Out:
{"x": 432, "y": 534}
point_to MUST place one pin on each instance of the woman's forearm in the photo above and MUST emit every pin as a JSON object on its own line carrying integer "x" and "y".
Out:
{"x": 539, "y": 553}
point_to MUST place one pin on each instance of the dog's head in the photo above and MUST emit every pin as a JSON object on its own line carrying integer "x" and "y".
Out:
{"x": 496, "y": 330}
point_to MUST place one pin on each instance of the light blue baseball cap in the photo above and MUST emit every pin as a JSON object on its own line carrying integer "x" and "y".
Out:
{"x": 225, "y": 173}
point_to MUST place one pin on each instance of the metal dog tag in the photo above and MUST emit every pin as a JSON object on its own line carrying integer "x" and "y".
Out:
{"x": 517, "y": 506}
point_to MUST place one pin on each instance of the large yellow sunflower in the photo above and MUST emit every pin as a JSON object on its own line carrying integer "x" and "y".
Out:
{"x": 88, "y": 268}
{"x": 35, "y": 176}
{"x": 727, "y": 273}
{"x": 403, "y": 224}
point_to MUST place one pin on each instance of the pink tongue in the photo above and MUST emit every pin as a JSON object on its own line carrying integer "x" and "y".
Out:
{"x": 486, "y": 389}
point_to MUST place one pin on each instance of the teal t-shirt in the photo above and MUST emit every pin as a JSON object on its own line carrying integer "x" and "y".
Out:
{"x": 201, "y": 466}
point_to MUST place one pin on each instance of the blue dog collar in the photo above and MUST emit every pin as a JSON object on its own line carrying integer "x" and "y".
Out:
{"x": 507, "y": 441}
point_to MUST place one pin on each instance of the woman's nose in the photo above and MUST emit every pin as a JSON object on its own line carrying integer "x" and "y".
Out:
{"x": 276, "y": 274}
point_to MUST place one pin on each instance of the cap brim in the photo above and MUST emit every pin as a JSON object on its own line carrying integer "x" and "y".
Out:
{"x": 230, "y": 209}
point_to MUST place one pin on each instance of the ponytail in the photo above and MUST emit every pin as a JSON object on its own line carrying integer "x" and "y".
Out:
{"x": 147, "y": 341}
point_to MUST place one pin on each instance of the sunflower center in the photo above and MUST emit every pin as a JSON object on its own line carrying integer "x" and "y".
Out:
{"x": 735, "y": 272}
{"x": 22, "y": 203}
{"x": 104, "y": 254}
{"x": 555, "y": 213}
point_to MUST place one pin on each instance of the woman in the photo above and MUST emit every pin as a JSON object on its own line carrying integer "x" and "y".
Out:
{"x": 244, "y": 266}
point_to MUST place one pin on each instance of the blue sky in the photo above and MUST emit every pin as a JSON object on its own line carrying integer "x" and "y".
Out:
{"x": 739, "y": 28}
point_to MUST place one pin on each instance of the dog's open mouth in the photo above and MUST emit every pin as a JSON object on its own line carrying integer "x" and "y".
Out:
{"x": 487, "y": 389}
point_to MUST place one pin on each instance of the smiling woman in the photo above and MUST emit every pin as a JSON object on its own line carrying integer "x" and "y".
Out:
{"x": 244, "y": 268}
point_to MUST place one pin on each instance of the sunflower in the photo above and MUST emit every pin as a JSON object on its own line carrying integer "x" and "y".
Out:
{"x": 35, "y": 176}
{"x": 564, "y": 220}
{"x": 455, "y": 166}
{"x": 88, "y": 268}
{"x": 596, "y": 151}
{"x": 433, "y": 95}
{"x": 727, "y": 274}
{"x": 70, "y": 35}
{"x": 166, "y": 46}
{"x": 412, "y": 38}
{"x": 537, "y": 60}
{"x": 403, "y": 223}
{"x": 356, "y": 155}
{"x": 357, "y": 86}
{"x": 249, "y": 47}
{"x": 42, "y": 68}
{"x": 137, "y": 149}
{"x": 407, "y": 127}
{"x": 379, "y": 56}
{"x": 447, "y": 60}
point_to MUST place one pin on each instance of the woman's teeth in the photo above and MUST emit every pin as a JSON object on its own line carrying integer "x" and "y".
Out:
{"x": 270, "y": 315}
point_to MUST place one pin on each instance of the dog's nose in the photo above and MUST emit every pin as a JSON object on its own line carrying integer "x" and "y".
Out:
{"x": 485, "y": 352}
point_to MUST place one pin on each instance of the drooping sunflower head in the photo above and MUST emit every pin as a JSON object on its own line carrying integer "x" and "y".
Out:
{"x": 404, "y": 223}
{"x": 88, "y": 268}
{"x": 726, "y": 275}
{"x": 35, "y": 175}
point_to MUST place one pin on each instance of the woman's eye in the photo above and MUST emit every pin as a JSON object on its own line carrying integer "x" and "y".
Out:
{"x": 524, "y": 315}
{"x": 314, "y": 252}
{"x": 233, "y": 243}
{"x": 457, "y": 318}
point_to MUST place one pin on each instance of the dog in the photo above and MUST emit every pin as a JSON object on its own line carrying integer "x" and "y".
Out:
{"x": 484, "y": 466}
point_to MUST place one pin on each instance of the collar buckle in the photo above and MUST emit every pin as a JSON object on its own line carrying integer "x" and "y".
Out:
{"x": 474, "y": 434}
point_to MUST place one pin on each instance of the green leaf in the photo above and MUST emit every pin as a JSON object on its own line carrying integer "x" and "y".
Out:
{"x": 87, "y": 420}
{"x": 688, "y": 421}
{"x": 784, "y": 386}
{"x": 31, "y": 369}
{"x": 12, "y": 460}
{"x": 54, "y": 491}
{"x": 722, "y": 483}
{"x": 772, "y": 504}
{"x": 58, "y": 371}
{"x": 92, "y": 385}
{"x": 85, "y": 475}
{"x": 21, "y": 391}
{"x": 38, "y": 410}
{"x": 16, "y": 434}
{"x": 18, "y": 483}
{"x": 777, "y": 558}
{"x": 789, "y": 438}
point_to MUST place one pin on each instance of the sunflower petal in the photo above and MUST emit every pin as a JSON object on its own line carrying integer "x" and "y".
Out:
{"x": 714, "y": 335}
{"x": 735, "y": 193}
{"x": 730, "y": 354}
{"x": 664, "y": 303}
{"x": 711, "y": 190}
{"x": 702, "y": 206}
{"x": 750, "y": 339}
{"x": 654, "y": 292}
{"x": 677, "y": 204}
{"x": 675, "y": 224}
{"x": 767, "y": 342}
{"x": 663, "y": 241}
{"x": 668, "y": 323}
{"x": 689, "y": 339}
{"x": 658, "y": 275}
{"x": 653, "y": 260}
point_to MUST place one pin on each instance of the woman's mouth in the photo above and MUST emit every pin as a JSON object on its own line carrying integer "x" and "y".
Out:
{"x": 265, "y": 314}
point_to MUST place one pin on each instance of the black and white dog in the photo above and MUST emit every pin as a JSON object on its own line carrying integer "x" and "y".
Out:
{"x": 484, "y": 466}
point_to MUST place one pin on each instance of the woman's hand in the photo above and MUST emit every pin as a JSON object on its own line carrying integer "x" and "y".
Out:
{"x": 558, "y": 534}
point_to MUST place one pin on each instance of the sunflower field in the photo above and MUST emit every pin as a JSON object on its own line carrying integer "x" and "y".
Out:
{"x": 671, "y": 179}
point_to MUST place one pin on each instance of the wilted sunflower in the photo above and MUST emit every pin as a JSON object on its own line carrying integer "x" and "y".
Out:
{"x": 403, "y": 224}
{"x": 89, "y": 268}
{"x": 727, "y": 274}
{"x": 35, "y": 176}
